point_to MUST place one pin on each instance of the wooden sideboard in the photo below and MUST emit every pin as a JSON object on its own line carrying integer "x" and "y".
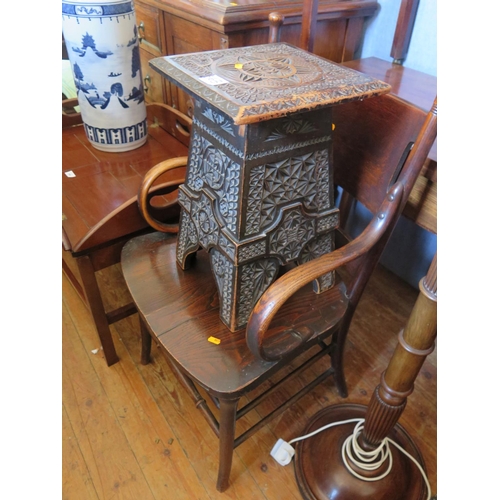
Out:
{"x": 169, "y": 27}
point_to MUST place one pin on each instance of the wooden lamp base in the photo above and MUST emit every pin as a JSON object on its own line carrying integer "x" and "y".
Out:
{"x": 322, "y": 475}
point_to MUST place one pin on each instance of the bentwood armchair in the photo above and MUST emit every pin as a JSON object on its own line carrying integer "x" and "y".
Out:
{"x": 380, "y": 145}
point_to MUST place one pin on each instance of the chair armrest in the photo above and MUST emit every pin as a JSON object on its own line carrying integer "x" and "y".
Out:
{"x": 281, "y": 290}
{"x": 144, "y": 192}
{"x": 170, "y": 119}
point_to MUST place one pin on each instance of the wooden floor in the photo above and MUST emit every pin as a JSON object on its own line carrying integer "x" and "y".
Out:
{"x": 132, "y": 432}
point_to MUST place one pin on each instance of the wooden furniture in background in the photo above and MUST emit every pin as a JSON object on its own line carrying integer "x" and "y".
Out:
{"x": 169, "y": 27}
{"x": 70, "y": 116}
{"x": 99, "y": 205}
{"x": 180, "y": 309}
{"x": 404, "y": 29}
{"x": 419, "y": 89}
{"x": 414, "y": 86}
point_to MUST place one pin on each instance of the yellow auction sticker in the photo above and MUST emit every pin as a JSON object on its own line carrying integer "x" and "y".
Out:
{"x": 238, "y": 65}
{"x": 214, "y": 340}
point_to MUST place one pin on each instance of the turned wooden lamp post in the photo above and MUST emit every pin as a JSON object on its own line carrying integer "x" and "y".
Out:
{"x": 320, "y": 469}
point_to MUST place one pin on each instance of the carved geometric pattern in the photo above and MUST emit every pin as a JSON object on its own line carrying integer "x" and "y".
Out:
{"x": 316, "y": 248}
{"x": 219, "y": 120}
{"x": 194, "y": 179}
{"x": 327, "y": 223}
{"x": 255, "y": 189}
{"x": 255, "y": 279}
{"x": 293, "y": 232}
{"x": 271, "y": 80}
{"x": 184, "y": 200}
{"x": 251, "y": 251}
{"x": 228, "y": 197}
{"x": 210, "y": 168}
{"x": 188, "y": 237}
{"x": 227, "y": 246}
{"x": 244, "y": 200}
{"x": 263, "y": 70}
{"x": 223, "y": 142}
{"x": 322, "y": 197}
{"x": 290, "y": 126}
{"x": 223, "y": 270}
{"x": 275, "y": 184}
{"x": 287, "y": 147}
{"x": 324, "y": 282}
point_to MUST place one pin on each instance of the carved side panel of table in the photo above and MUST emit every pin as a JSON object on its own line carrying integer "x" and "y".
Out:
{"x": 259, "y": 187}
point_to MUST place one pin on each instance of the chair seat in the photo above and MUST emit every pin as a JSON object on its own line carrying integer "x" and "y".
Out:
{"x": 181, "y": 310}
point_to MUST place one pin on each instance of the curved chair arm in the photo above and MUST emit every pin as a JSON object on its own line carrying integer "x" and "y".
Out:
{"x": 280, "y": 291}
{"x": 170, "y": 119}
{"x": 144, "y": 196}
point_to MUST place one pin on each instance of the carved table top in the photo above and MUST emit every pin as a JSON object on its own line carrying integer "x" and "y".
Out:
{"x": 261, "y": 82}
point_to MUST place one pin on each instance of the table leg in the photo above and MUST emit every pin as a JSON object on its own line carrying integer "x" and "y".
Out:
{"x": 94, "y": 301}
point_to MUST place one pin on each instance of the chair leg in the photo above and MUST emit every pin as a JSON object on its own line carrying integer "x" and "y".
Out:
{"x": 227, "y": 427}
{"x": 337, "y": 360}
{"x": 146, "y": 344}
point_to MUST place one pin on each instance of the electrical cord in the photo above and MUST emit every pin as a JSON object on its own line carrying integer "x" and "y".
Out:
{"x": 283, "y": 453}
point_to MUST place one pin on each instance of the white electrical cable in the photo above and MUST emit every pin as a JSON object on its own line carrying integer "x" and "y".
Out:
{"x": 366, "y": 460}
{"x": 333, "y": 424}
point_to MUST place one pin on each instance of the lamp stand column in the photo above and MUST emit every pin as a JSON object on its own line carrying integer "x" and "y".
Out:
{"x": 320, "y": 469}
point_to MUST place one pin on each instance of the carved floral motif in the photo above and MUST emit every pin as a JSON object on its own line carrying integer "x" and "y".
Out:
{"x": 294, "y": 231}
{"x": 290, "y": 126}
{"x": 219, "y": 120}
{"x": 271, "y": 80}
{"x": 210, "y": 167}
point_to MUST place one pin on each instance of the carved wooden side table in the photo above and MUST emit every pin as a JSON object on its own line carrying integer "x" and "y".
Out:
{"x": 259, "y": 186}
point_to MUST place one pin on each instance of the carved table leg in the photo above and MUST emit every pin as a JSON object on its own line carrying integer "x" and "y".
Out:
{"x": 319, "y": 466}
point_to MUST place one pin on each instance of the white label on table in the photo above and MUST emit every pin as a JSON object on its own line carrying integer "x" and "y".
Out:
{"x": 213, "y": 80}
{"x": 70, "y": 173}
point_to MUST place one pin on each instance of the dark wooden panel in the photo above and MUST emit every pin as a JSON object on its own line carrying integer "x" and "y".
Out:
{"x": 367, "y": 156}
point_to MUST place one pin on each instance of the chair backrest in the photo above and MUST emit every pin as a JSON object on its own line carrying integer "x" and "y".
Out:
{"x": 390, "y": 179}
{"x": 402, "y": 33}
{"x": 404, "y": 28}
{"x": 371, "y": 141}
{"x": 371, "y": 138}
{"x": 308, "y": 29}
{"x": 373, "y": 161}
